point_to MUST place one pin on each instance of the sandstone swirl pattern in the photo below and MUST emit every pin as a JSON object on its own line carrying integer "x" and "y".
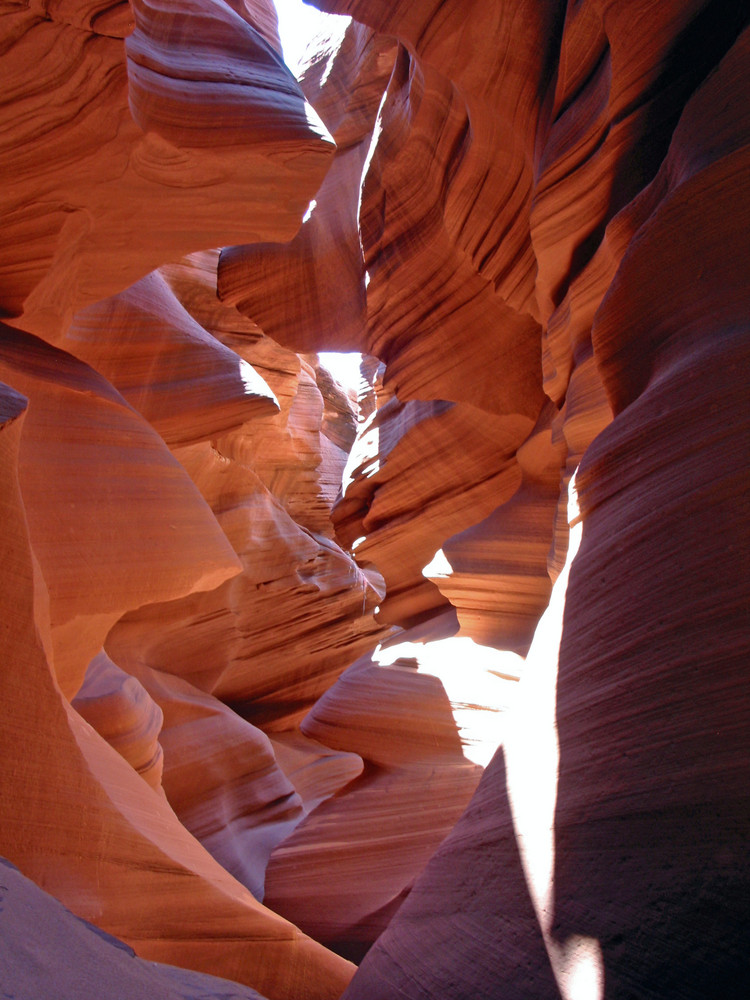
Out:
{"x": 450, "y": 679}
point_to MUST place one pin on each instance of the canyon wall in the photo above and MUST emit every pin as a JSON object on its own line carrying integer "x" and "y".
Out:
{"x": 447, "y": 680}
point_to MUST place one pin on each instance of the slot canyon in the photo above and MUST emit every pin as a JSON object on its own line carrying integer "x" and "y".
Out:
{"x": 434, "y": 689}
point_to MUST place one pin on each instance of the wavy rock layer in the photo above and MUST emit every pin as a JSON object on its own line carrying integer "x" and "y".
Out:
{"x": 98, "y": 799}
{"x": 254, "y": 649}
{"x": 405, "y": 718}
{"x": 108, "y": 145}
{"x": 638, "y": 140}
{"x": 44, "y": 942}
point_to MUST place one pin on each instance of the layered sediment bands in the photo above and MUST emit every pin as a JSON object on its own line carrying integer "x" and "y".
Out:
{"x": 104, "y": 544}
{"x": 40, "y": 934}
{"x": 412, "y": 324}
{"x": 497, "y": 572}
{"x": 105, "y": 146}
{"x": 222, "y": 779}
{"x": 473, "y": 889}
{"x": 406, "y": 718}
{"x": 120, "y": 709}
{"x": 184, "y": 382}
{"x": 534, "y": 226}
{"x": 312, "y": 290}
{"x": 448, "y": 184}
{"x": 300, "y": 455}
{"x": 261, "y": 482}
{"x": 651, "y": 799}
{"x": 396, "y": 521}
{"x": 677, "y": 776}
{"x": 97, "y": 799}
{"x": 679, "y": 391}
{"x": 226, "y": 642}
{"x": 316, "y": 771}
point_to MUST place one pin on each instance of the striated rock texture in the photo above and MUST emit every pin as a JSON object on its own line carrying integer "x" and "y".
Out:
{"x": 106, "y": 145}
{"x": 44, "y": 943}
{"x": 447, "y": 679}
{"x": 408, "y": 719}
{"x": 79, "y": 816}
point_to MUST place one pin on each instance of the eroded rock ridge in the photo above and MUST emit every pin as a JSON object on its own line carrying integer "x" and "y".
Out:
{"x": 447, "y": 679}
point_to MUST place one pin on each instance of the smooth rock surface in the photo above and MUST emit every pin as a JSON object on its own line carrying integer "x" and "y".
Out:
{"x": 44, "y": 946}
{"x": 243, "y": 613}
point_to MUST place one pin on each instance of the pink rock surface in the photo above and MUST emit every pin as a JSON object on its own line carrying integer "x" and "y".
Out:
{"x": 535, "y": 227}
{"x": 98, "y": 799}
{"x": 46, "y": 945}
{"x": 181, "y": 379}
{"x": 397, "y": 527}
{"x": 221, "y": 778}
{"x": 313, "y": 290}
{"x": 104, "y": 545}
{"x": 473, "y": 891}
{"x": 121, "y": 710}
{"x": 226, "y": 641}
{"x": 423, "y": 751}
{"x": 112, "y": 142}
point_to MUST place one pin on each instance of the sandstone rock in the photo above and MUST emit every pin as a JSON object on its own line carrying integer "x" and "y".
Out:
{"x": 109, "y": 144}
{"x": 307, "y": 447}
{"x": 627, "y": 807}
{"x": 104, "y": 544}
{"x": 270, "y": 484}
{"x": 120, "y": 709}
{"x": 182, "y": 380}
{"x": 397, "y": 527}
{"x": 497, "y": 573}
{"x": 222, "y": 780}
{"x": 313, "y": 290}
{"x": 424, "y": 727}
{"x": 45, "y": 944}
{"x": 535, "y": 228}
{"x": 106, "y": 819}
{"x": 294, "y": 582}
{"x": 468, "y": 928}
{"x": 316, "y": 771}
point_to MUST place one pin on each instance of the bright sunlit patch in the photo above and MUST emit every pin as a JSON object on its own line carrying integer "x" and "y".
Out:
{"x": 374, "y": 139}
{"x": 252, "y": 382}
{"x": 478, "y": 680}
{"x": 300, "y": 24}
{"x": 438, "y": 566}
{"x": 532, "y": 755}
{"x": 344, "y": 367}
{"x": 580, "y": 969}
{"x": 315, "y": 123}
{"x": 364, "y": 458}
{"x": 532, "y": 751}
{"x": 310, "y": 209}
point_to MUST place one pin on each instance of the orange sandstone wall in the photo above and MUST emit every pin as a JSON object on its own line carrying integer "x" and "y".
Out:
{"x": 259, "y": 642}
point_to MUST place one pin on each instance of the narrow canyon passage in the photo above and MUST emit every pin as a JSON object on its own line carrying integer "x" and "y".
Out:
{"x": 426, "y": 683}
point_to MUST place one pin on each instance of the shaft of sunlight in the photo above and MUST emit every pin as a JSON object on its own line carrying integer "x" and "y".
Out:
{"x": 299, "y": 24}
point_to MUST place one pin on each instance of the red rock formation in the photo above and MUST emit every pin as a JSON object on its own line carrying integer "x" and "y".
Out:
{"x": 405, "y": 716}
{"x": 44, "y": 944}
{"x": 185, "y": 383}
{"x": 535, "y": 225}
{"x": 395, "y": 521}
{"x": 121, "y": 710}
{"x": 313, "y": 290}
{"x": 222, "y": 779}
{"x": 106, "y": 820}
{"x": 261, "y": 481}
{"x": 108, "y": 145}
{"x": 646, "y": 827}
{"x": 103, "y": 544}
